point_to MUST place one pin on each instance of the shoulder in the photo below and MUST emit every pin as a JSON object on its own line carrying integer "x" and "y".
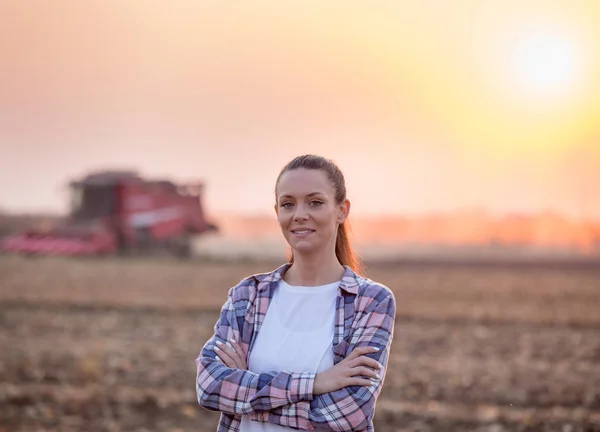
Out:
{"x": 374, "y": 308}
{"x": 247, "y": 288}
{"x": 376, "y": 290}
{"x": 373, "y": 295}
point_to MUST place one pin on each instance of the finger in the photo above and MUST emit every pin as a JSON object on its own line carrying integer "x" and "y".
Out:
{"x": 365, "y": 371}
{"x": 361, "y": 382}
{"x": 225, "y": 353}
{"x": 367, "y": 361}
{"x": 237, "y": 347}
{"x": 240, "y": 353}
{"x": 224, "y": 359}
{"x": 234, "y": 355}
{"x": 362, "y": 350}
{"x": 354, "y": 354}
{"x": 220, "y": 360}
{"x": 230, "y": 351}
{"x": 226, "y": 347}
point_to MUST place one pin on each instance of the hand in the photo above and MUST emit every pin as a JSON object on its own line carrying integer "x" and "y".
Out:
{"x": 231, "y": 354}
{"x": 348, "y": 372}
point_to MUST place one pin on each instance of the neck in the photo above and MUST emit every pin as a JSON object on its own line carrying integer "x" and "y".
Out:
{"x": 314, "y": 270}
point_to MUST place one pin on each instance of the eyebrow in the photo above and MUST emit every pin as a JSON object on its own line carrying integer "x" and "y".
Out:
{"x": 310, "y": 194}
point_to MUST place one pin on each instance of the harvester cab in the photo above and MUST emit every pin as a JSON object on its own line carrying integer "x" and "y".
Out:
{"x": 89, "y": 201}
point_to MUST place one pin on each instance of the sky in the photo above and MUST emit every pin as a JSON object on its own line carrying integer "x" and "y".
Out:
{"x": 427, "y": 106}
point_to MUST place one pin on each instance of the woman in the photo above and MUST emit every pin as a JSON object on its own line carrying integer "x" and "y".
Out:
{"x": 304, "y": 346}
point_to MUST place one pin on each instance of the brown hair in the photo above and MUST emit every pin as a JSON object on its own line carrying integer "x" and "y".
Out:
{"x": 343, "y": 249}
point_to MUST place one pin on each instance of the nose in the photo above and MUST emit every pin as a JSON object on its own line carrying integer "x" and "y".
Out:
{"x": 300, "y": 213}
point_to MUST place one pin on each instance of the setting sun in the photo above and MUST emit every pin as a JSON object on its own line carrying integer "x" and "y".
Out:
{"x": 547, "y": 63}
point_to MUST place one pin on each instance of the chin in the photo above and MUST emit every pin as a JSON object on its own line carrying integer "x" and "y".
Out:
{"x": 303, "y": 247}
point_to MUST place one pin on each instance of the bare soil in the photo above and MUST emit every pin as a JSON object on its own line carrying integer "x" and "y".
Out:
{"x": 109, "y": 345}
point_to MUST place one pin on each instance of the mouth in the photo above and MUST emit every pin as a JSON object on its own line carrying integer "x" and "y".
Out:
{"x": 302, "y": 232}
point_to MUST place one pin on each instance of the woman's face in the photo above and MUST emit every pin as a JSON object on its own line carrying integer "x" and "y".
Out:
{"x": 306, "y": 210}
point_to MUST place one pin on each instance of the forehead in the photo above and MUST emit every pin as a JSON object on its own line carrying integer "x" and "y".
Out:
{"x": 301, "y": 182}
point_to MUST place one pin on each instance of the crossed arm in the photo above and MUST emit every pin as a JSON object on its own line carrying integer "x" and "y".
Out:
{"x": 287, "y": 398}
{"x": 233, "y": 390}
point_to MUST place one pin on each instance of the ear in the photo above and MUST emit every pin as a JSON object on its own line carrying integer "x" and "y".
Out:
{"x": 343, "y": 211}
{"x": 276, "y": 208}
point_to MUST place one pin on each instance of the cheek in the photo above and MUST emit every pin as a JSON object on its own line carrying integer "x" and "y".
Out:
{"x": 283, "y": 218}
{"x": 327, "y": 220}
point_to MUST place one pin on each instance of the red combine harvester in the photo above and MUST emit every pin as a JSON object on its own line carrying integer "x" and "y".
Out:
{"x": 118, "y": 212}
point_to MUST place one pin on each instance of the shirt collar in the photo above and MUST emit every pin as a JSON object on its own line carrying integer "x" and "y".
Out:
{"x": 350, "y": 281}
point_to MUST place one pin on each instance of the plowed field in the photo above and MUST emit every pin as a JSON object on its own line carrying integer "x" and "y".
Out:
{"x": 109, "y": 345}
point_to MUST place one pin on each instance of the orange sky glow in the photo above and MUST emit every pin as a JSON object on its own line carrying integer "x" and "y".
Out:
{"x": 428, "y": 106}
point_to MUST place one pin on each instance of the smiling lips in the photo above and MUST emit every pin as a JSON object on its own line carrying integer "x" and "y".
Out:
{"x": 302, "y": 232}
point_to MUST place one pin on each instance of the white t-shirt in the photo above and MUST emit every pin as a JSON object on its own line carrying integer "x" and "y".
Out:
{"x": 296, "y": 335}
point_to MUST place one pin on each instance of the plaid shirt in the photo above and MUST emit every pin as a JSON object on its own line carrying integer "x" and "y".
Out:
{"x": 365, "y": 315}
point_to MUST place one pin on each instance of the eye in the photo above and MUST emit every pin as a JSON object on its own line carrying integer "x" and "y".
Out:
{"x": 316, "y": 203}
{"x": 286, "y": 204}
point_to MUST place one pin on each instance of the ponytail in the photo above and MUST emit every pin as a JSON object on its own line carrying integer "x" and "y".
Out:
{"x": 344, "y": 252}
